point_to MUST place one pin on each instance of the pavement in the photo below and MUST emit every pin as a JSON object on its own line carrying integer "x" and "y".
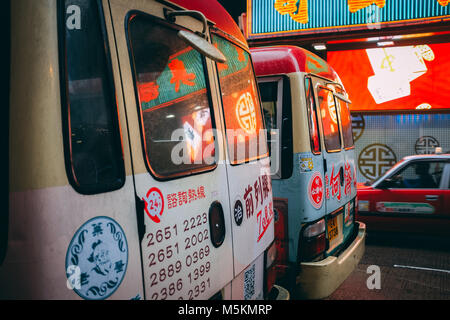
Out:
{"x": 411, "y": 268}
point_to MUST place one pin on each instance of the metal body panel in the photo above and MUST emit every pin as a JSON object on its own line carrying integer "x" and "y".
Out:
{"x": 53, "y": 228}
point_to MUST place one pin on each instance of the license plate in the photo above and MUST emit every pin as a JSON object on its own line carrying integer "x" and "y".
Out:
{"x": 333, "y": 230}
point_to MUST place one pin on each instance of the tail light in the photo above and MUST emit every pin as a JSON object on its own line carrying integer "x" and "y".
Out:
{"x": 313, "y": 241}
{"x": 276, "y": 258}
{"x": 271, "y": 271}
{"x": 349, "y": 213}
{"x": 281, "y": 238}
{"x": 352, "y": 214}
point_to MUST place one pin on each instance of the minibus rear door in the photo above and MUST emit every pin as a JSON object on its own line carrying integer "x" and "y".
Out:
{"x": 248, "y": 168}
{"x": 334, "y": 159}
{"x": 349, "y": 188}
{"x": 181, "y": 188}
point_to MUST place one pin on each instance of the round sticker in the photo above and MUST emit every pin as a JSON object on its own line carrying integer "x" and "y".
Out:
{"x": 238, "y": 212}
{"x": 154, "y": 204}
{"x": 315, "y": 190}
{"x": 97, "y": 259}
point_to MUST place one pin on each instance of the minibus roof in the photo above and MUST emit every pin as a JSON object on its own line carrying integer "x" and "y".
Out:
{"x": 214, "y": 11}
{"x": 287, "y": 59}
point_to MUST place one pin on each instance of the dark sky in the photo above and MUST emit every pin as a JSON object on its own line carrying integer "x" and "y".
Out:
{"x": 234, "y": 7}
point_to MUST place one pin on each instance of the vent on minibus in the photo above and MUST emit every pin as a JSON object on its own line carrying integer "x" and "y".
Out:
{"x": 216, "y": 224}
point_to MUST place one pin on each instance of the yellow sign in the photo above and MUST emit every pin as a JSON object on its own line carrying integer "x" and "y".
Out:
{"x": 356, "y": 5}
{"x": 298, "y": 9}
{"x": 298, "y": 13}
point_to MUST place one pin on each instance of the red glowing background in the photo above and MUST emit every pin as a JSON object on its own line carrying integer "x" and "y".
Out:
{"x": 431, "y": 88}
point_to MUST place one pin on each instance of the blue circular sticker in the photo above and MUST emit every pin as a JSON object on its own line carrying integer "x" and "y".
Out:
{"x": 97, "y": 259}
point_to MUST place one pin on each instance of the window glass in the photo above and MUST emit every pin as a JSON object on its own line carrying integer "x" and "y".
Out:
{"x": 243, "y": 117}
{"x": 173, "y": 99}
{"x": 448, "y": 186}
{"x": 92, "y": 130}
{"x": 329, "y": 119}
{"x": 312, "y": 117}
{"x": 419, "y": 175}
{"x": 269, "y": 99}
{"x": 346, "y": 120}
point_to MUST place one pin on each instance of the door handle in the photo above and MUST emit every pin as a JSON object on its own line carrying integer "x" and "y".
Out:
{"x": 432, "y": 197}
{"x": 140, "y": 216}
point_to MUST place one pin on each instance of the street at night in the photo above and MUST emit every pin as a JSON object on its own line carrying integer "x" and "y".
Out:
{"x": 257, "y": 153}
{"x": 412, "y": 268}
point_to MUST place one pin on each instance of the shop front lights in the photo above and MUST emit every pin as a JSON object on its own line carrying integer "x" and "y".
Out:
{"x": 319, "y": 46}
{"x": 385, "y": 43}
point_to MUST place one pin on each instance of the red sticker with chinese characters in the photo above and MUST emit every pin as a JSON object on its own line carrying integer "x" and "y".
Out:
{"x": 154, "y": 204}
{"x": 315, "y": 190}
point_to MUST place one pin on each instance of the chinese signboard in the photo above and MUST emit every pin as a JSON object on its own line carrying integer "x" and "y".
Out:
{"x": 395, "y": 78}
{"x": 288, "y": 17}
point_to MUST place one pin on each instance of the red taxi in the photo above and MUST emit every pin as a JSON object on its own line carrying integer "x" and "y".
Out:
{"x": 413, "y": 196}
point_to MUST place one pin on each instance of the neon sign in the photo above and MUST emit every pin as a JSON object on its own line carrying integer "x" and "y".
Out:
{"x": 284, "y": 17}
{"x": 297, "y": 13}
{"x": 356, "y": 5}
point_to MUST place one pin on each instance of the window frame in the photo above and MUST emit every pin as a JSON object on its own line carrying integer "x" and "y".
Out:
{"x": 319, "y": 133}
{"x": 217, "y": 33}
{"x": 446, "y": 176}
{"x": 338, "y": 118}
{"x": 6, "y": 63}
{"x": 441, "y": 185}
{"x": 65, "y": 104}
{"x": 337, "y": 98}
{"x": 187, "y": 173}
{"x": 279, "y": 80}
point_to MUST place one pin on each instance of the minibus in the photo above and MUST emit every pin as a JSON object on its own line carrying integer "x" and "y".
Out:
{"x": 306, "y": 110}
{"x": 124, "y": 183}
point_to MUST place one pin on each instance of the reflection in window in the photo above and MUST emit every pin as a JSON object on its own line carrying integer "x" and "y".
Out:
{"x": 346, "y": 122}
{"x": 90, "y": 110}
{"x": 269, "y": 97}
{"x": 312, "y": 116}
{"x": 329, "y": 119}
{"x": 243, "y": 118}
{"x": 173, "y": 99}
{"x": 345, "y": 118}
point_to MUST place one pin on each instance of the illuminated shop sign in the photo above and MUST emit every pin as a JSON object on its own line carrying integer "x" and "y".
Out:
{"x": 395, "y": 78}
{"x": 287, "y": 17}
